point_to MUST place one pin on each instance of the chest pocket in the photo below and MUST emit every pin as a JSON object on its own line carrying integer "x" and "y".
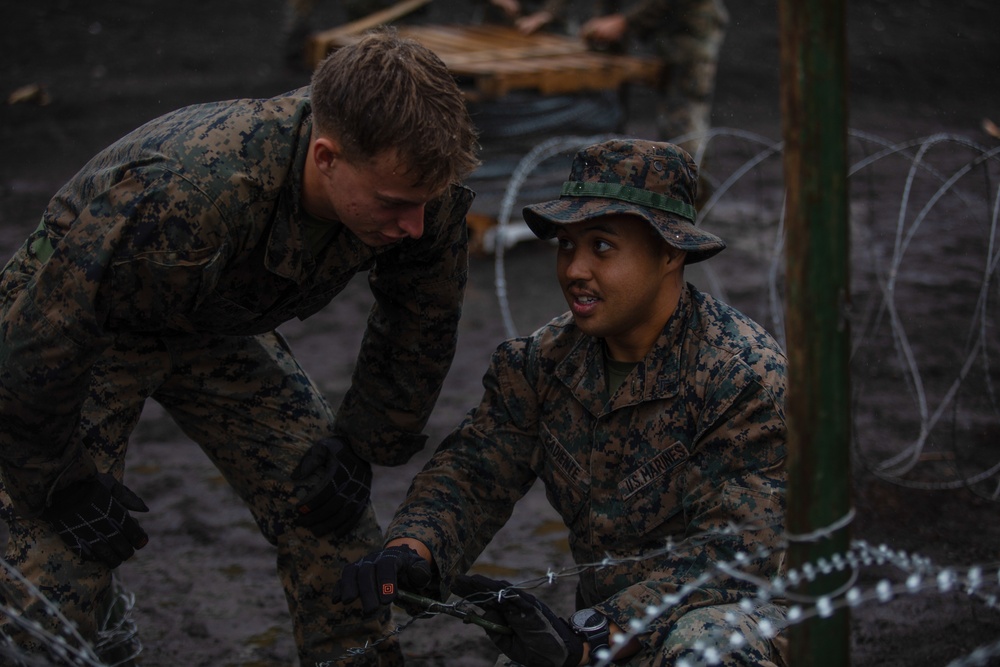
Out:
{"x": 150, "y": 288}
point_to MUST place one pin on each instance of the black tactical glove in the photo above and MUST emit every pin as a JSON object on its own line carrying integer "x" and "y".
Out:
{"x": 92, "y": 517}
{"x": 377, "y": 577}
{"x": 341, "y": 491}
{"x": 540, "y": 638}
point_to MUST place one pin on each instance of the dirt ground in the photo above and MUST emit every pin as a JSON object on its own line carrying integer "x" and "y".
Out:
{"x": 205, "y": 588}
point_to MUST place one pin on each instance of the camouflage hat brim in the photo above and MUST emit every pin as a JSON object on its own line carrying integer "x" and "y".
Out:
{"x": 544, "y": 219}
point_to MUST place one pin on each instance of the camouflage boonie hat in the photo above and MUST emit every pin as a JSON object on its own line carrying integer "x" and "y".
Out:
{"x": 655, "y": 181}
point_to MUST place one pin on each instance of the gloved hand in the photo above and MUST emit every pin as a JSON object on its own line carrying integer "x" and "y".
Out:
{"x": 539, "y": 636}
{"x": 92, "y": 517}
{"x": 376, "y": 578}
{"x": 341, "y": 492}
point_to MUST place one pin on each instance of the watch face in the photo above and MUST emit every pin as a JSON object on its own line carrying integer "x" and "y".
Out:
{"x": 588, "y": 620}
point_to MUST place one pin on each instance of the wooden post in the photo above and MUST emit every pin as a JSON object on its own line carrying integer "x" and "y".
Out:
{"x": 813, "y": 102}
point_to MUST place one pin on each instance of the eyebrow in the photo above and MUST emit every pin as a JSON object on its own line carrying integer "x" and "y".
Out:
{"x": 400, "y": 201}
{"x": 602, "y": 227}
{"x": 397, "y": 201}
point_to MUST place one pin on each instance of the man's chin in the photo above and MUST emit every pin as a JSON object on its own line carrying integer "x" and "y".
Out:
{"x": 588, "y": 326}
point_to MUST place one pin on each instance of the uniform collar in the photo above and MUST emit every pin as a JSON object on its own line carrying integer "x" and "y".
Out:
{"x": 657, "y": 376}
{"x": 287, "y": 254}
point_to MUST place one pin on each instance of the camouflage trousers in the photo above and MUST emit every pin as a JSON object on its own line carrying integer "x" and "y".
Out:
{"x": 713, "y": 627}
{"x": 690, "y": 45}
{"x": 684, "y": 104}
{"x": 253, "y": 410}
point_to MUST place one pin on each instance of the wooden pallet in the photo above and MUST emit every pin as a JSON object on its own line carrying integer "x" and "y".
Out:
{"x": 491, "y": 61}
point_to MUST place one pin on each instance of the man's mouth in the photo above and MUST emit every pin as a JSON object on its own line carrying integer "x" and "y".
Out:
{"x": 583, "y": 304}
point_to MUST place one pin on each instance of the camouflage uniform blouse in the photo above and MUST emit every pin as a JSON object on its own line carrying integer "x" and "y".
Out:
{"x": 193, "y": 224}
{"x": 689, "y": 452}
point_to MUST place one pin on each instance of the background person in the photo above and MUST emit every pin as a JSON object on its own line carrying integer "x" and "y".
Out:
{"x": 686, "y": 34}
{"x": 529, "y": 22}
{"x": 688, "y": 37}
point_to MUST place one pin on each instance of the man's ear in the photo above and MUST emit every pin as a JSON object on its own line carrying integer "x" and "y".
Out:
{"x": 671, "y": 253}
{"x": 675, "y": 258}
{"x": 678, "y": 256}
{"x": 325, "y": 153}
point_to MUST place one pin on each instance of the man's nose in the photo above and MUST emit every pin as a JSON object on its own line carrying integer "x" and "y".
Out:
{"x": 412, "y": 222}
{"x": 577, "y": 267}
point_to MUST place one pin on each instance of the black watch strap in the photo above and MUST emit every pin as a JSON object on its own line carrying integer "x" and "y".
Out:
{"x": 593, "y": 626}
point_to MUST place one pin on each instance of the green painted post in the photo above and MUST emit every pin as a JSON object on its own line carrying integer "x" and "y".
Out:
{"x": 814, "y": 109}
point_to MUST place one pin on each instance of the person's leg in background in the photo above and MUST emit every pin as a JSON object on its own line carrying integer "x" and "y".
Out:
{"x": 690, "y": 47}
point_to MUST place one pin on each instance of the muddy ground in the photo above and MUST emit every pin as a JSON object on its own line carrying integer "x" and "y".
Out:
{"x": 205, "y": 588}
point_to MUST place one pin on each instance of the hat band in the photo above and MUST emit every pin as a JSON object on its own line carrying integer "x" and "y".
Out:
{"x": 629, "y": 194}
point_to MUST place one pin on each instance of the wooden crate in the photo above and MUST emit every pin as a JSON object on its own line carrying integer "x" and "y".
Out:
{"x": 491, "y": 61}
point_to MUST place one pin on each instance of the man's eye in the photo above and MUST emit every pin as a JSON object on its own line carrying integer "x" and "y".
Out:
{"x": 601, "y": 246}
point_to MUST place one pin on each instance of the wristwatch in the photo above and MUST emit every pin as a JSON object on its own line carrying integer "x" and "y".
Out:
{"x": 593, "y": 626}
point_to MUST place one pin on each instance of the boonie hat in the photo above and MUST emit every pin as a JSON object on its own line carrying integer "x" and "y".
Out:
{"x": 655, "y": 181}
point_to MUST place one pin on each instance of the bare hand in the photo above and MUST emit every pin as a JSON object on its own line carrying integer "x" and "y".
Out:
{"x": 511, "y": 8}
{"x": 534, "y": 22}
{"x": 604, "y": 29}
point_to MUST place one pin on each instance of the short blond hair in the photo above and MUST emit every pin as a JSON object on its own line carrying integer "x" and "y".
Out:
{"x": 389, "y": 92}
